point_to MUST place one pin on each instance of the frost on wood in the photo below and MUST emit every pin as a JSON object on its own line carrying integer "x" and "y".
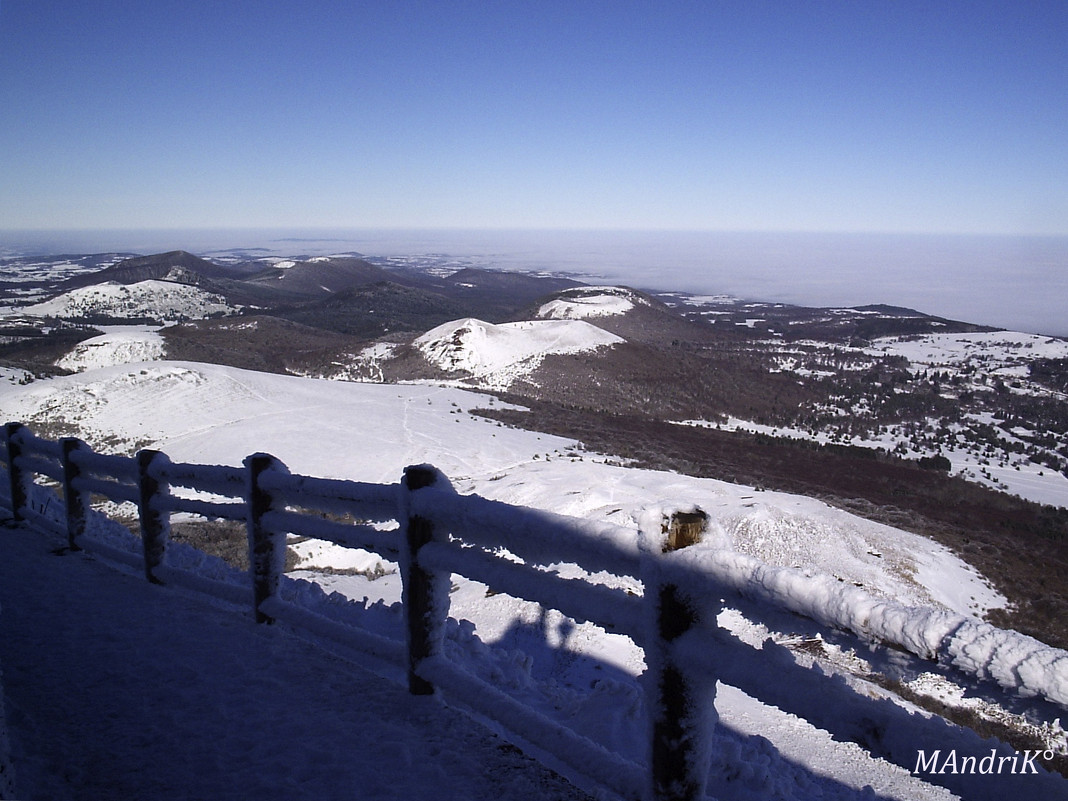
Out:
{"x": 680, "y": 699}
{"x": 425, "y": 594}
{"x": 1013, "y": 660}
{"x": 537, "y": 536}
{"x": 702, "y": 573}
{"x": 155, "y": 522}
{"x": 267, "y": 548}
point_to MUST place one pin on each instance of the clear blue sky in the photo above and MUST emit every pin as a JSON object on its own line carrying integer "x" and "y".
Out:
{"x": 791, "y": 115}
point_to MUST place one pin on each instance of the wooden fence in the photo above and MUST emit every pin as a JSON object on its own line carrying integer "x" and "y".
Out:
{"x": 508, "y": 548}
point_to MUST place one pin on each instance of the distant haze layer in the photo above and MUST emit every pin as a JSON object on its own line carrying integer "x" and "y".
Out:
{"x": 1019, "y": 283}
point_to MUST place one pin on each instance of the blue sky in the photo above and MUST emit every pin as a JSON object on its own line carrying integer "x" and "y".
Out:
{"x": 804, "y": 116}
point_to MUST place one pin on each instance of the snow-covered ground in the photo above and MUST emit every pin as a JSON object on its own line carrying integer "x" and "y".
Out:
{"x": 15, "y": 375}
{"x": 217, "y": 415}
{"x": 1000, "y": 353}
{"x": 212, "y": 414}
{"x": 120, "y": 690}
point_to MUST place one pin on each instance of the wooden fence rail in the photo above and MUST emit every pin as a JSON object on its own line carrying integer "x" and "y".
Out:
{"x": 441, "y": 533}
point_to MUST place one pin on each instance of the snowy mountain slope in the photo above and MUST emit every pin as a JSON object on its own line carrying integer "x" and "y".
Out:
{"x": 157, "y": 300}
{"x": 120, "y": 345}
{"x": 208, "y": 413}
{"x": 586, "y": 302}
{"x": 496, "y": 355}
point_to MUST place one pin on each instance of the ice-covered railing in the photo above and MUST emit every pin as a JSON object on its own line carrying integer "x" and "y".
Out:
{"x": 516, "y": 550}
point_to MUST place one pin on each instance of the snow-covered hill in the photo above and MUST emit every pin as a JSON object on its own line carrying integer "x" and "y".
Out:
{"x": 494, "y": 356}
{"x": 587, "y": 302}
{"x": 164, "y": 301}
{"x": 121, "y": 345}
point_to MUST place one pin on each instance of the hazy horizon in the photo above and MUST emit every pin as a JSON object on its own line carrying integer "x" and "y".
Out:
{"x": 603, "y": 138}
{"x": 1015, "y": 282}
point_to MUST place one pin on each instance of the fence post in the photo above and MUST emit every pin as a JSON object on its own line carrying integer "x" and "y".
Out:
{"x": 423, "y": 596}
{"x": 155, "y": 523}
{"x": 18, "y": 480}
{"x": 266, "y": 548}
{"x": 76, "y": 501}
{"x": 680, "y": 704}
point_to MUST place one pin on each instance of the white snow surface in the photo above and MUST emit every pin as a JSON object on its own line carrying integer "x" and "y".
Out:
{"x": 496, "y": 355}
{"x": 117, "y": 690}
{"x": 216, "y": 415}
{"x": 212, "y": 414}
{"x": 160, "y": 300}
{"x": 588, "y": 302}
{"x": 14, "y": 375}
{"x": 118, "y": 345}
{"x": 997, "y": 351}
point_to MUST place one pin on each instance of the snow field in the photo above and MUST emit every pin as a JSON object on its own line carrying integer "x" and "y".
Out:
{"x": 999, "y": 351}
{"x": 613, "y": 711}
{"x": 495, "y": 356}
{"x": 216, "y": 415}
{"x": 208, "y": 414}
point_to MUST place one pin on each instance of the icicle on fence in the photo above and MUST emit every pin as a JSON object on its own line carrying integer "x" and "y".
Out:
{"x": 441, "y": 533}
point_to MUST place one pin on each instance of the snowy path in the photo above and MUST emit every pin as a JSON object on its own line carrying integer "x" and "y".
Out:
{"x": 117, "y": 689}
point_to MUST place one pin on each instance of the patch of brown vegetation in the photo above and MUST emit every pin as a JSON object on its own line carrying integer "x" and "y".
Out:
{"x": 226, "y": 539}
{"x": 255, "y": 343}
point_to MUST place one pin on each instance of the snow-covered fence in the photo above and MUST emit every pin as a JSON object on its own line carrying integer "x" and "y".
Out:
{"x": 515, "y": 550}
